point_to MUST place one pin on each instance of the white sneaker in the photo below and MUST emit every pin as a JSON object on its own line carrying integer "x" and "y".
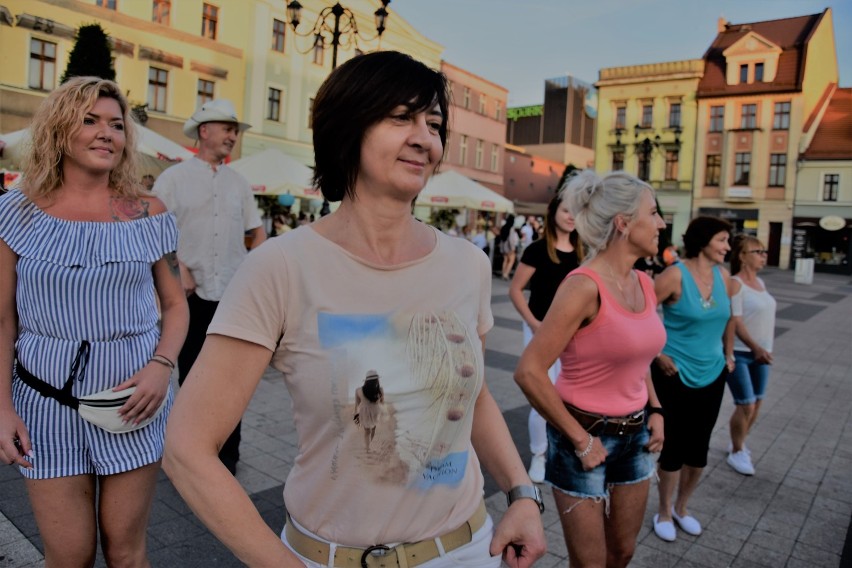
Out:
{"x": 741, "y": 462}
{"x": 745, "y": 449}
{"x": 536, "y": 471}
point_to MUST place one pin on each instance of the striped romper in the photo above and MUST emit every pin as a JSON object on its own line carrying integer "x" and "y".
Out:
{"x": 93, "y": 281}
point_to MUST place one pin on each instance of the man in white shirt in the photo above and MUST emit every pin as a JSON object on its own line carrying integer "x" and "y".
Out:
{"x": 215, "y": 208}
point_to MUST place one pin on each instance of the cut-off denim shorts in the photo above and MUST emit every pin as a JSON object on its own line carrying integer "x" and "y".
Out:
{"x": 628, "y": 461}
{"x": 749, "y": 378}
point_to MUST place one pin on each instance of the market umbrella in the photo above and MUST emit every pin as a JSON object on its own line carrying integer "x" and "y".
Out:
{"x": 272, "y": 172}
{"x": 453, "y": 190}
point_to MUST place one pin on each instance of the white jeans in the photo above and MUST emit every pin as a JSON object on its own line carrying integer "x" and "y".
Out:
{"x": 537, "y": 424}
{"x": 474, "y": 554}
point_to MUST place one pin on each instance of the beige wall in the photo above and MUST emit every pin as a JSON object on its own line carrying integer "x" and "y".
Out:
{"x": 820, "y": 63}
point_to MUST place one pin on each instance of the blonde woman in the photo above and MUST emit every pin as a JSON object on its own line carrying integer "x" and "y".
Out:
{"x": 753, "y": 309}
{"x": 89, "y": 253}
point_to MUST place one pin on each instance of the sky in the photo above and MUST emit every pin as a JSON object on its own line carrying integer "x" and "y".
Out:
{"x": 518, "y": 44}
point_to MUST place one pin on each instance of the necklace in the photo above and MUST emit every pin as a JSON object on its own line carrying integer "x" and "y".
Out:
{"x": 629, "y": 301}
{"x": 710, "y": 301}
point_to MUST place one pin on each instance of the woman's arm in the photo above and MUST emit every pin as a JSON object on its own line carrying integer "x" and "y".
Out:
{"x": 667, "y": 287}
{"x": 519, "y": 535}
{"x": 576, "y": 302}
{"x": 11, "y": 426}
{"x": 523, "y": 274}
{"x": 732, "y": 286}
{"x": 655, "y": 421}
{"x": 210, "y": 403}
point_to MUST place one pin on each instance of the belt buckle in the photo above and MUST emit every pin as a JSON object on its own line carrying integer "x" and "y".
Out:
{"x": 376, "y": 551}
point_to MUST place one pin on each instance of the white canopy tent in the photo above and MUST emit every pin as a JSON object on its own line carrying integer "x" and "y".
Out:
{"x": 272, "y": 172}
{"x": 451, "y": 189}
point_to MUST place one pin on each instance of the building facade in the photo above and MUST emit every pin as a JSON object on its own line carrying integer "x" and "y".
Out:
{"x": 476, "y": 141}
{"x": 563, "y": 128}
{"x": 531, "y": 181}
{"x": 646, "y": 126}
{"x": 761, "y": 82}
{"x": 822, "y": 213}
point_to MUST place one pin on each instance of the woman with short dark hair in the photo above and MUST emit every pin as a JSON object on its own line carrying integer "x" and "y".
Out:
{"x": 365, "y": 290}
{"x": 689, "y": 374}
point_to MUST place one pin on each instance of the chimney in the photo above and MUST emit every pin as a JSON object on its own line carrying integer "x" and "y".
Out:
{"x": 721, "y": 24}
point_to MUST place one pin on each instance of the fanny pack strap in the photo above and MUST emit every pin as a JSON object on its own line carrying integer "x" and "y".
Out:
{"x": 62, "y": 396}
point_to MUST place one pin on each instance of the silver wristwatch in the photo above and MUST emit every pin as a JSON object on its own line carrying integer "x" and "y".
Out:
{"x": 525, "y": 492}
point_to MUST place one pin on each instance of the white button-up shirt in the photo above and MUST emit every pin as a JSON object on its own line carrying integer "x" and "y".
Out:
{"x": 214, "y": 208}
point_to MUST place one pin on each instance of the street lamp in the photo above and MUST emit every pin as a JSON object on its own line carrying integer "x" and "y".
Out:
{"x": 646, "y": 146}
{"x": 344, "y": 25}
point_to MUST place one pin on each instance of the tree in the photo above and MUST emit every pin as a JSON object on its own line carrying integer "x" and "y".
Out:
{"x": 91, "y": 54}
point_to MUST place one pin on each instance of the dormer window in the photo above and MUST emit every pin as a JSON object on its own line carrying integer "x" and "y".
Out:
{"x": 758, "y": 72}
{"x": 751, "y": 59}
{"x": 743, "y": 73}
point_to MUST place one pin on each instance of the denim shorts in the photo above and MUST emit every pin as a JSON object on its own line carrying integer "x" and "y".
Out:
{"x": 627, "y": 462}
{"x": 748, "y": 380}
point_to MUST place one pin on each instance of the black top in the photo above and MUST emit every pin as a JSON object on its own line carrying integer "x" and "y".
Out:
{"x": 547, "y": 276}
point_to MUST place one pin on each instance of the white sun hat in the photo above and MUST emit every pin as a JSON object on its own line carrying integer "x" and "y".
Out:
{"x": 218, "y": 110}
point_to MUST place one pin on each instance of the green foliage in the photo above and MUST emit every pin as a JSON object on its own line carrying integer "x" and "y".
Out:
{"x": 91, "y": 55}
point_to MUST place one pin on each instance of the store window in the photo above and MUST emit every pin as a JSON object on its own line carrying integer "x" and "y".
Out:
{"x": 161, "y": 12}
{"x": 158, "y": 86}
{"x": 777, "y": 170}
{"x": 273, "y": 104}
{"x": 830, "y": 186}
{"x": 742, "y": 168}
{"x": 748, "y": 118}
{"x": 717, "y": 118}
{"x": 781, "y": 118}
{"x": 206, "y": 91}
{"x": 279, "y": 29}
{"x": 42, "y": 65}
{"x": 713, "y": 171}
{"x": 209, "y": 21}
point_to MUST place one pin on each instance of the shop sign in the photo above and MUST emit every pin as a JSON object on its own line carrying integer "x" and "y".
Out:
{"x": 514, "y": 113}
{"x": 740, "y": 192}
{"x": 832, "y": 223}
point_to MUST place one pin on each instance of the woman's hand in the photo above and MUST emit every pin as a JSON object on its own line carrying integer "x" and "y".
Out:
{"x": 152, "y": 386}
{"x": 595, "y": 457}
{"x": 761, "y": 355}
{"x": 15, "y": 446}
{"x": 535, "y": 325}
{"x": 730, "y": 363}
{"x": 519, "y": 535}
{"x": 655, "y": 427}
{"x": 667, "y": 364}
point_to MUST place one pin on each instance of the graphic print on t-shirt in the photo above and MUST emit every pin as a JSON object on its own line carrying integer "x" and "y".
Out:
{"x": 425, "y": 369}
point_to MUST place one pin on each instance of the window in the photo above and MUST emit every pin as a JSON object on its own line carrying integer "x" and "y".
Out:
{"x": 644, "y": 172}
{"x": 617, "y": 161}
{"x": 278, "y": 30}
{"x": 748, "y": 119}
{"x": 781, "y": 120}
{"x": 109, "y": 4}
{"x": 743, "y": 73}
{"x": 495, "y": 156}
{"x": 273, "y": 105}
{"x": 466, "y": 99}
{"x": 498, "y": 111}
{"x": 209, "y": 21}
{"x": 830, "y": 185}
{"x": 671, "y": 165}
{"x": 463, "y": 149}
{"x": 162, "y": 12}
{"x": 42, "y": 65}
{"x": 620, "y": 117}
{"x": 742, "y": 168}
{"x": 158, "y": 84}
{"x": 647, "y": 116}
{"x": 674, "y": 115}
{"x": 717, "y": 118}
{"x": 481, "y": 104}
{"x": 480, "y": 148}
{"x": 205, "y": 92}
{"x": 319, "y": 50}
{"x": 758, "y": 72}
{"x": 777, "y": 170}
{"x": 713, "y": 171}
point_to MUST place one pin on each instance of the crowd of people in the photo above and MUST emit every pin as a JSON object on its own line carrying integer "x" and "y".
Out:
{"x": 384, "y": 363}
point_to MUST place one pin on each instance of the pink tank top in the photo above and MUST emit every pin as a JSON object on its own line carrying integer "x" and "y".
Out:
{"x": 605, "y": 364}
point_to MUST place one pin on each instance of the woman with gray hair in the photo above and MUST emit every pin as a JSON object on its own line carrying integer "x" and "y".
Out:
{"x": 603, "y": 414}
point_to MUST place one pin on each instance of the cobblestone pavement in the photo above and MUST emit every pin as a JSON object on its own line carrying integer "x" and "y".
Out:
{"x": 794, "y": 512}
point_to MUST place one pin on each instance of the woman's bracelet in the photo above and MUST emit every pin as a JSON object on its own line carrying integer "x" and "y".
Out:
{"x": 588, "y": 449}
{"x": 162, "y": 360}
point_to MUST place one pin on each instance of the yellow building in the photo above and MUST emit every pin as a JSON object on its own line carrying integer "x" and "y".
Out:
{"x": 170, "y": 55}
{"x": 761, "y": 82}
{"x": 646, "y": 126}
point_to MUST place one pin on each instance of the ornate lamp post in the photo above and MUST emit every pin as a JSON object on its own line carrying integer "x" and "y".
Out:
{"x": 344, "y": 25}
{"x": 646, "y": 147}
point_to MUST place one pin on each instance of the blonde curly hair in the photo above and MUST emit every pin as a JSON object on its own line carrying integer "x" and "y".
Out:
{"x": 58, "y": 120}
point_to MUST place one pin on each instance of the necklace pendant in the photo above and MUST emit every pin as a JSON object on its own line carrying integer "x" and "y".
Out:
{"x": 708, "y": 304}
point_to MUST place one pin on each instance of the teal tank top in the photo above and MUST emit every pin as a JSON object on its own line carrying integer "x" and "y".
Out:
{"x": 695, "y": 328}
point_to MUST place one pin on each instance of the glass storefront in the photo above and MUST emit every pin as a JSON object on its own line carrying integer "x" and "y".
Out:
{"x": 828, "y": 243}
